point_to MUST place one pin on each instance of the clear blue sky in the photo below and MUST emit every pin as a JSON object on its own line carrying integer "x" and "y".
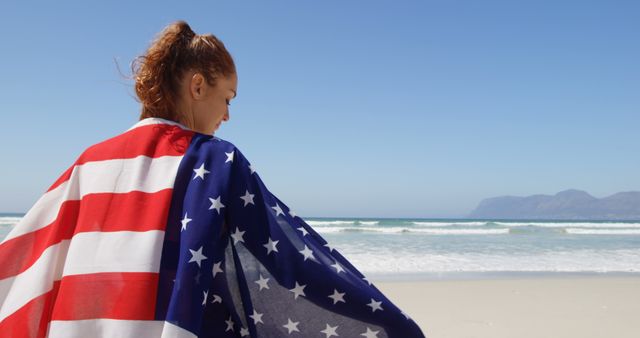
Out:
{"x": 349, "y": 108}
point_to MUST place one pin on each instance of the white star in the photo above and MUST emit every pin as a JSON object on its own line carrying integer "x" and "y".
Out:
{"x": 229, "y": 324}
{"x": 375, "y": 305}
{"x": 204, "y": 299}
{"x": 197, "y": 256}
{"x": 303, "y": 230}
{"x": 216, "y": 204}
{"x": 370, "y": 333}
{"x": 247, "y": 198}
{"x": 306, "y": 252}
{"x": 257, "y": 317}
{"x": 229, "y": 157}
{"x": 337, "y": 296}
{"x": 185, "y": 221}
{"x": 244, "y": 331}
{"x": 271, "y": 246}
{"x": 330, "y": 331}
{"x": 237, "y": 236}
{"x": 251, "y": 168}
{"x": 277, "y": 209}
{"x": 338, "y": 267}
{"x": 291, "y": 326}
{"x": 216, "y": 299}
{"x": 298, "y": 290}
{"x": 200, "y": 172}
{"x": 262, "y": 282}
{"x": 406, "y": 315}
{"x": 331, "y": 248}
{"x": 217, "y": 268}
{"x": 293, "y": 214}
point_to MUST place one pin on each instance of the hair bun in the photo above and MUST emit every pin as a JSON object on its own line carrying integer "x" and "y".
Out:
{"x": 174, "y": 51}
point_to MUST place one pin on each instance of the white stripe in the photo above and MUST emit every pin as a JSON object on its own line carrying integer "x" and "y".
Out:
{"x": 119, "y": 251}
{"x": 157, "y": 120}
{"x": 116, "y": 328}
{"x": 141, "y": 173}
{"x": 89, "y": 252}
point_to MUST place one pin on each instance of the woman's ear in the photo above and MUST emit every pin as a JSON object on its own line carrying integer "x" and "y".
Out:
{"x": 197, "y": 83}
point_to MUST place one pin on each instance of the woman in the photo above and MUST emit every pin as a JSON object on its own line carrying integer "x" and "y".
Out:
{"x": 168, "y": 231}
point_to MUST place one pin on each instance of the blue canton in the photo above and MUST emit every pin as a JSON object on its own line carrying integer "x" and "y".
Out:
{"x": 238, "y": 262}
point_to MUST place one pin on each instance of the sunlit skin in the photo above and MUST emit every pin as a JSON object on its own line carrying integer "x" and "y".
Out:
{"x": 203, "y": 107}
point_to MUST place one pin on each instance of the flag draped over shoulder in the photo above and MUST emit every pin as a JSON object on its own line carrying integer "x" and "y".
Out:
{"x": 165, "y": 232}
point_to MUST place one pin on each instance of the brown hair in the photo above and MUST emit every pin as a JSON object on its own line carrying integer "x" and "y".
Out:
{"x": 174, "y": 51}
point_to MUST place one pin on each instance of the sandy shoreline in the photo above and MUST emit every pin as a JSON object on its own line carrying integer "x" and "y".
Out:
{"x": 521, "y": 307}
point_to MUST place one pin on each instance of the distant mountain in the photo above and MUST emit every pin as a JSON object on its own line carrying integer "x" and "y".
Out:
{"x": 569, "y": 204}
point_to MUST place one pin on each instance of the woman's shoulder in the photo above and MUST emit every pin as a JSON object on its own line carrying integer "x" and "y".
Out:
{"x": 217, "y": 146}
{"x": 157, "y": 140}
{"x": 151, "y": 140}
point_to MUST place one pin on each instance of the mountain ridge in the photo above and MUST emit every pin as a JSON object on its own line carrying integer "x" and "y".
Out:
{"x": 570, "y": 204}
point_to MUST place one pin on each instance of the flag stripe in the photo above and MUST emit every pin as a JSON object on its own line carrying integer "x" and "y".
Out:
{"x": 164, "y": 140}
{"x": 91, "y": 252}
{"x": 138, "y": 211}
{"x": 121, "y": 251}
{"x": 33, "y": 282}
{"x": 115, "y": 295}
{"x": 116, "y": 328}
{"x": 115, "y": 176}
{"x": 31, "y": 320}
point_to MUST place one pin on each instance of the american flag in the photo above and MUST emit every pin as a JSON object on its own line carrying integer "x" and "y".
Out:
{"x": 165, "y": 232}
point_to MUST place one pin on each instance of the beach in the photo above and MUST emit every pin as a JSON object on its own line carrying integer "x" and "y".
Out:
{"x": 540, "y": 307}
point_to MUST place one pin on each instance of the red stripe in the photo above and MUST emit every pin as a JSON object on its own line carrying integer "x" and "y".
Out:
{"x": 32, "y": 319}
{"x": 135, "y": 211}
{"x": 115, "y": 295}
{"x": 160, "y": 140}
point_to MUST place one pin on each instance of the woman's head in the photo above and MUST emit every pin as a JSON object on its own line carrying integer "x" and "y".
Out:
{"x": 187, "y": 78}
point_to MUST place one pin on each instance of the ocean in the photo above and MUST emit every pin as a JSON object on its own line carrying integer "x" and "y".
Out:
{"x": 409, "y": 249}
